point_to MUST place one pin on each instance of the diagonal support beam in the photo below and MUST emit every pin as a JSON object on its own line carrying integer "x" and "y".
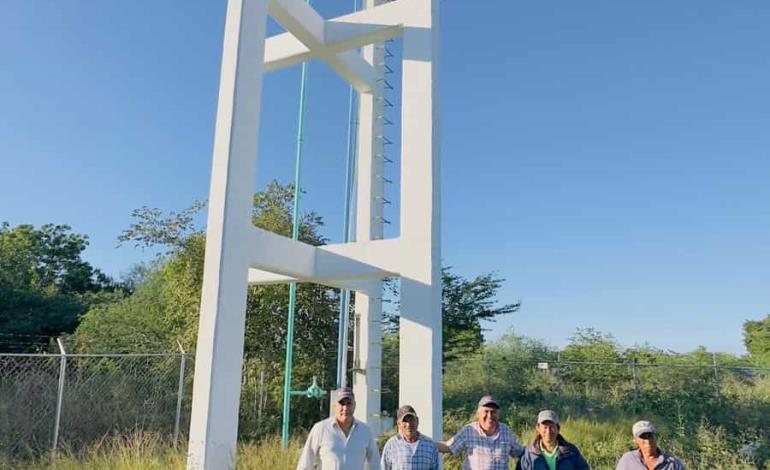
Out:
{"x": 308, "y": 30}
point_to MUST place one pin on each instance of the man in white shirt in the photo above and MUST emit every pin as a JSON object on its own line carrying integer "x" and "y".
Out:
{"x": 340, "y": 442}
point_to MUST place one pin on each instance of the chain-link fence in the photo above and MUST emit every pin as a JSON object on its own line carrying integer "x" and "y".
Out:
{"x": 51, "y": 400}
{"x": 681, "y": 391}
{"x": 54, "y": 400}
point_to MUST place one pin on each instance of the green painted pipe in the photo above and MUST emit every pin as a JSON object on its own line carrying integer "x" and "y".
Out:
{"x": 293, "y": 285}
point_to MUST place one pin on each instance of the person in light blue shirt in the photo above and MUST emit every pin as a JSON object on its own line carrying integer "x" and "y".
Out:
{"x": 409, "y": 450}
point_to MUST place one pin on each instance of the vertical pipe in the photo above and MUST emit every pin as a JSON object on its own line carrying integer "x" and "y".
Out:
{"x": 179, "y": 392}
{"x": 293, "y": 285}
{"x": 342, "y": 339}
{"x": 59, "y": 395}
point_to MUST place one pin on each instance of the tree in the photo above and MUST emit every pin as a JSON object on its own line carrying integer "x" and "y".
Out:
{"x": 165, "y": 306}
{"x": 47, "y": 259}
{"x": 593, "y": 359}
{"x": 465, "y": 304}
{"x": 45, "y": 285}
{"x": 756, "y": 337}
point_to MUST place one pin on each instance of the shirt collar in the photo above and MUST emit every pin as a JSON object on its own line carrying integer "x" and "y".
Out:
{"x": 334, "y": 424}
{"x": 419, "y": 437}
{"x": 661, "y": 455}
{"x": 481, "y": 432}
{"x": 545, "y": 452}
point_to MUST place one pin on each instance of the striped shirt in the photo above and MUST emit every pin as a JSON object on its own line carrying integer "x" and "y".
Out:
{"x": 398, "y": 454}
{"x": 484, "y": 452}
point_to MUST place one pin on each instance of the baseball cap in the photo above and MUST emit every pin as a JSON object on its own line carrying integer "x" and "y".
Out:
{"x": 643, "y": 427}
{"x": 547, "y": 415}
{"x": 405, "y": 411}
{"x": 345, "y": 392}
{"x": 488, "y": 402}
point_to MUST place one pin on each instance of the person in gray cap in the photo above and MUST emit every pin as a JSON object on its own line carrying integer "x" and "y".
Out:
{"x": 549, "y": 450}
{"x": 488, "y": 443}
{"x": 409, "y": 450}
{"x": 647, "y": 455}
{"x": 340, "y": 442}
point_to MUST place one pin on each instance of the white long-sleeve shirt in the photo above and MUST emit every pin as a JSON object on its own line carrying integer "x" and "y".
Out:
{"x": 327, "y": 448}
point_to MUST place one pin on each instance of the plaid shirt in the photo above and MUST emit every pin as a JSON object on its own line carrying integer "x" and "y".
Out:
{"x": 484, "y": 452}
{"x": 397, "y": 454}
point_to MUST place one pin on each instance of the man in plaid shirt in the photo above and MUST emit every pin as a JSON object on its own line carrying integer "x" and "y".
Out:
{"x": 488, "y": 443}
{"x": 409, "y": 450}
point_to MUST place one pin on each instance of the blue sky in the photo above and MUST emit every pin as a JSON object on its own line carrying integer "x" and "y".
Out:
{"x": 610, "y": 159}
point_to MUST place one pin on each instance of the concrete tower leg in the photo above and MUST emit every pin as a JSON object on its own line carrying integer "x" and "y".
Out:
{"x": 219, "y": 352}
{"x": 420, "y": 330}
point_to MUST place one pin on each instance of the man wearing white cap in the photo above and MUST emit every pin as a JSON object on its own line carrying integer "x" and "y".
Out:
{"x": 340, "y": 442}
{"x": 647, "y": 455}
{"x": 409, "y": 450}
{"x": 549, "y": 450}
{"x": 488, "y": 443}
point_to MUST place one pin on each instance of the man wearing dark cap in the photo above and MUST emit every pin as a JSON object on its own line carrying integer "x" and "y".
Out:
{"x": 340, "y": 442}
{"x": 488, "y": 443}
{"x": 549, "y": 450}
{"x": 647, "y": 455}
{"x": 409, "y": 450}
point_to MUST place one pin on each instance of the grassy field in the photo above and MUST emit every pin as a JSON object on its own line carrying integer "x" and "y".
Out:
{"x": 601, "y": 443}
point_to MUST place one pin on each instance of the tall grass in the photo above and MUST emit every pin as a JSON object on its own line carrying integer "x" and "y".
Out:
{"x": 602, "y": 443}
{"x": 148, "y": 451}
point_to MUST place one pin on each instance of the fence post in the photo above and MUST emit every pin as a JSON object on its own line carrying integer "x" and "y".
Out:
{"x": 261, "y": 403}
{"x": 59, "y": 395}
{"x": 180, "y": 392}
{"x": 634, "y": 377}
{"x": 716, "y": 373}
{"x": 557, "y": 373}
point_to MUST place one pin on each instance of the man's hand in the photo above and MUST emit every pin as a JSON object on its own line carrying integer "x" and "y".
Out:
{"x": 442, "y": 447}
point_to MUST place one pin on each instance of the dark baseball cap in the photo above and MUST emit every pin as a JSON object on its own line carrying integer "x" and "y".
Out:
{"x": 405, "y": 411}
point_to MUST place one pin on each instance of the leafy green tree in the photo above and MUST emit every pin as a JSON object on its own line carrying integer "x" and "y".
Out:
{"x": 756, "y": 337}
{"x": 465, "y": 305}
{"x": 47, "y": 259}
{"x": 593, "y": 360}
{"x": 45, "y": 285}
{"x": 165, "y": 306}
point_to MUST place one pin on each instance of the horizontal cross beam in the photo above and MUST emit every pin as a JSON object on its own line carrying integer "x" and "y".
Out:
{"x": 286, "y": 260}
{"x": 310, "y": 37}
